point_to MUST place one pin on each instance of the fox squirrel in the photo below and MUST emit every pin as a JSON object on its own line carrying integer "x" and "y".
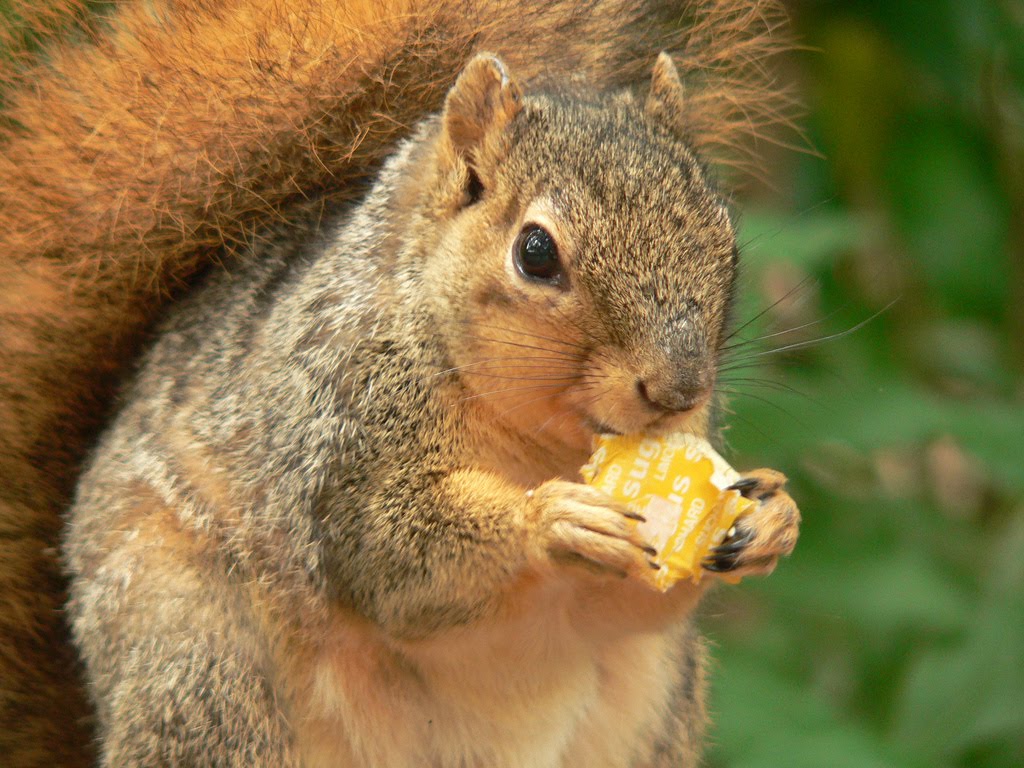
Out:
{"x": 365, "y": 530}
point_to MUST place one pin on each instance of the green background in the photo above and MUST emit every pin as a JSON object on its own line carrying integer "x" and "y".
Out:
{"x": 894, "y": 635}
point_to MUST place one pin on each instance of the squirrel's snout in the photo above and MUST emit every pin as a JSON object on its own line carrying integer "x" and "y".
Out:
{"x": 673, "y": 370}
{"x": 674, "y": 394}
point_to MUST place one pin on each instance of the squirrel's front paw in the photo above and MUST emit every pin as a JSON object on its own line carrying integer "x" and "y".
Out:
{"x": 578, "y": 524}
{"x": 762, "y": 536}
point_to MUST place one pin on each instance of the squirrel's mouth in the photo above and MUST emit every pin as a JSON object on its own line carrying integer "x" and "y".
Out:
{"x": 631, "y": 418}
{"x": 599, "y": 427}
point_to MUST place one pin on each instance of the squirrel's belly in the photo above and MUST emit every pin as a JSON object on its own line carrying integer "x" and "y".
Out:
{"x": 528, "y": 694}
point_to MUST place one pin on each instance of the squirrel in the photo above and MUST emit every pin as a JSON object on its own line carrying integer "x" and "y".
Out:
{"x": 335, "y": 521}
{"x": 163, "y": 139}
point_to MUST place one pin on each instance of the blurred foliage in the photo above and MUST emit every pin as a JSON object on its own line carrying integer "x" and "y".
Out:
{"x": 894, "y": 636}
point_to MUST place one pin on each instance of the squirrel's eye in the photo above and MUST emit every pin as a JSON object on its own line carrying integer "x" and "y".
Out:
{"x": 537, "y": 255}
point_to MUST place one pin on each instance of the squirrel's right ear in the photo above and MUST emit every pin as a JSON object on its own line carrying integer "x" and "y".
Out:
{"x": 484, "y": 98}
{"x": 482, "y": 102}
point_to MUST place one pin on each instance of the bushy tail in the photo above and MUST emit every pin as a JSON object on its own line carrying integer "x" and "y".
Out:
{"x": 139, "y": 147}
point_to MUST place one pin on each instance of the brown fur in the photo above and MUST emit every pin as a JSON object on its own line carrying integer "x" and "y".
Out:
{"x": 366, "y": 551}
{"x": 140, "y": 149}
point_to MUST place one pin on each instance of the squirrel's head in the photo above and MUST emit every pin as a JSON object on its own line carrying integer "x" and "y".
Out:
{"x": 585, "y": 261}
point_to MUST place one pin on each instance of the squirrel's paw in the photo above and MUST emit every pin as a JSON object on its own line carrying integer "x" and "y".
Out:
{"x": 759, "y": 538}
{"x": 578, "y": 524}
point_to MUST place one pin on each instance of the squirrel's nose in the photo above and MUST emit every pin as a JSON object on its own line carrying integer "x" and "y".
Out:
{"x": 675, "y": 397}
{"x": 674, "y": 369}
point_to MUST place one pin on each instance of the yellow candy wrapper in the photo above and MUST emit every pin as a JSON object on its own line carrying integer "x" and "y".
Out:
{"x": 677, "y": 483}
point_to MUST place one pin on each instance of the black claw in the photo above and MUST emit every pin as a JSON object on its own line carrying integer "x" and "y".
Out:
{"x": 740, "y": 538}
{"x": 635, "y": 516}
{"x": 654, "y": 565}
{"x": 744, "y": 485}
{"x": 650, "y": 551}
{"x": 728, "y": 549}
{"x": 723, "y": 560}
{"x": 717, "y": 566}
{"x": 726, "y": 555}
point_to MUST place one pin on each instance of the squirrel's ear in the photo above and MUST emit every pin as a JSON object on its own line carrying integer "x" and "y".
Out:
{"x": 666, "y": 98}
{"x": 484, "y": 98}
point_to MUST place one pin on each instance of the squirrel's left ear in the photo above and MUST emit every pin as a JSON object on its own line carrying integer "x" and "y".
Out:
{"x": 666, "y": 98}
{"x": 482, "y": 102}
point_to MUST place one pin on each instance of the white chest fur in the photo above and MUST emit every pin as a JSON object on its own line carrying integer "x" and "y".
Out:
{"x": 524, "y": 692}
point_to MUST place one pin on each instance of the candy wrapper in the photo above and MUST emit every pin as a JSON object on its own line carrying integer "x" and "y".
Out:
{"x": 677, "y": 483}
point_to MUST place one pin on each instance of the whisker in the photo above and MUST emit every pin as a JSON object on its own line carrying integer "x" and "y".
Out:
{"x": 766, "y": 401}
{"x": 821, "y": 340}
{"x": 733, "y": 415}
{"x": 507, "y": 411}
{"x": 537, "y": 363}
{"x": 560, "y": 415}
{"x": 566, "y": 412}
{"x": 513, "y": 389}
{"x": 570, "y": 320}
{"x": 747, "y": 245}
{"x": 521, "y": 345}
{"x": 612, "y": 413}
{"x": 568, "y": 378}
{"x": 746, "y": 365}
{"x": 794, "y": 329}
{"x": 778, "y": 386}
{"x": 524, "y": 333}
{"x": 809, "y": 280}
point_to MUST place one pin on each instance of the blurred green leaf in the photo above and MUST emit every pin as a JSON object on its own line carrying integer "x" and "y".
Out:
{"x": 774, "y": 722}
{"x": 971, "y": 692}
{"x": 946, "y": 203}
{"x": 811, "y": 240}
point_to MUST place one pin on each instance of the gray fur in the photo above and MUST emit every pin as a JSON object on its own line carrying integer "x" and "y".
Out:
{"x": 316, "y": 382}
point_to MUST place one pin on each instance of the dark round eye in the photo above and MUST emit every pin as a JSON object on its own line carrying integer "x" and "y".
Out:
{"x": 537, "y": 255}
